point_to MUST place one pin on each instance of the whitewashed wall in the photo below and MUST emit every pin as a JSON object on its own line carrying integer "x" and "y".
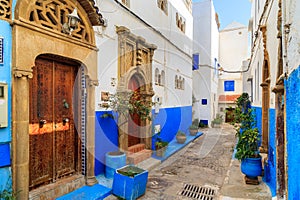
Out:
{"x": 293, "y": 37}
{"x": 206, "y": 43}
{"x": 257, "y": 59}
{"x": 166, "y": 57}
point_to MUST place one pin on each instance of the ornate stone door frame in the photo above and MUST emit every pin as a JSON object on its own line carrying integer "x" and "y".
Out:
{"x": 265, "y": 94}
{"x": 135, "y": 59}
{"x": 34, "y": 35}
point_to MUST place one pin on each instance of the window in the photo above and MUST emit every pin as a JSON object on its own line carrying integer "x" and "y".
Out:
{"x": 162, "y": 77}
{"x": 195, "y": 61}
{"x": 156, "y": 76}
{"x": 228, "y": 86}
{"x": 204, "y": 101}
{"x": 179, "y": 82}
{"x": 163, "y": 5}
{"x": 180, "y": 22}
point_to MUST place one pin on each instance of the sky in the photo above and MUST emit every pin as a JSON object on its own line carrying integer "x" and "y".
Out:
{"x": 232, "y": 10}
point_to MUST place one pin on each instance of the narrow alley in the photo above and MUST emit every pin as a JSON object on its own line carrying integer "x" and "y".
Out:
{"x": 207, "y": 164}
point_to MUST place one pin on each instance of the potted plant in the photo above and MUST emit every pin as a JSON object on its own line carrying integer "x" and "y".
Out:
{"x": 194, "y": 127}
{"x": 130, "y": 182}
{"x": 181, "y": 137}
{"x": 216, "y": 123}
{"x": 247, "y": 144}
{"x": 161, "y": 147}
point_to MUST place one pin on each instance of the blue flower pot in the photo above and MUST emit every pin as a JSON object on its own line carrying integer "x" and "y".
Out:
{"x": 130, "y": 187}
{"x": 251, "y": 167}
{"x": 113, "y": 161}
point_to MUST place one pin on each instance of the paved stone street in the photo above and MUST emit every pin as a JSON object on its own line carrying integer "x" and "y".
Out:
{"x": 202, "y": 163}
{"x": 205, "y": 163}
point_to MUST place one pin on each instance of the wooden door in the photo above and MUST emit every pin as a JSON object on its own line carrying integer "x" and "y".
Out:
{"x": 134, "y": 121}
{"x": 54, "y": 142}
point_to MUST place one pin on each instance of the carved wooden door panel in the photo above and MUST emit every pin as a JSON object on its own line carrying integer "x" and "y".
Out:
{"x": 53, "y": 137}
{"x": 134, "y": 119}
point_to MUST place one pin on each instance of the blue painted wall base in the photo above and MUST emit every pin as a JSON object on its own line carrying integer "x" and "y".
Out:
{"x": 292, "y": 88}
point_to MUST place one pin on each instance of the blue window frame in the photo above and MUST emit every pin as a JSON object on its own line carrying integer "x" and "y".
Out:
{"x": 228, "y": 85}
{"x": 204, "y": 101}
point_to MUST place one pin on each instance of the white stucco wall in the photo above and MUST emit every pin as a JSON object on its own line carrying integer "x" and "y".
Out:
{"x": 233, "y": 48}
{"x": 206, "y": 43}
{"x": 173, "y": 60}
{"x": 293, "y": 37}
{"x": 257, "y": 59}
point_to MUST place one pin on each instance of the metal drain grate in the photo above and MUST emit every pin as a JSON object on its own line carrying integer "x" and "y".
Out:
{"x": 196, "y": 192}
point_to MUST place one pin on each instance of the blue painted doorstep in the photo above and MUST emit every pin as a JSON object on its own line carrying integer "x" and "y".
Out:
{"x": 95, "y": 192}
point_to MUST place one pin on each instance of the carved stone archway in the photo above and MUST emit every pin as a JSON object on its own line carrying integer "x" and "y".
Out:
{"x": 135, "y": 60}
{"x": 37, "y": 31}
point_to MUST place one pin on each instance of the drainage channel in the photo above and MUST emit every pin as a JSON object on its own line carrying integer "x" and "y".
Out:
{"x": 197, "y": 192}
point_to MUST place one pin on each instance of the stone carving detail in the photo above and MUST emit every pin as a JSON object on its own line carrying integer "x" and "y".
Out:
{"x": 18, "y": 73}
{"x": 5, "y": 9}
{"x": 163, "y": 5}
{"x": 53, "y": 14}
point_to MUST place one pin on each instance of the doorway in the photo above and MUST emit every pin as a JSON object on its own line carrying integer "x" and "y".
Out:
{"x": 134, "y": 121}
{"x": 53, "y": 140}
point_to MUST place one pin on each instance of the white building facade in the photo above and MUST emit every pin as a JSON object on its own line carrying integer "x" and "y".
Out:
{"x": 146, "y": 46}
{"x": 206, "y": 48}
{"x": 233, "y": 51}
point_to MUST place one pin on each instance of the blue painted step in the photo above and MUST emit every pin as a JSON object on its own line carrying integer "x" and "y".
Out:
{"x": 173, "y": 146}
{"x": 95, "y": 192}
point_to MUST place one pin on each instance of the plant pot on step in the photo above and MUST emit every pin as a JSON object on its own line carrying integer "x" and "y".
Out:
{"x": 181, "y": 137}
{"x": 193, "y": 132}
{"x": 251, "y": 167}
{"x": 130, "y": 182}
{"x": 161, "y": 152}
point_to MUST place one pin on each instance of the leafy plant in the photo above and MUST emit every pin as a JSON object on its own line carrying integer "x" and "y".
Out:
{"x": 218, "y": 119}
{"x": 159, "y": 144}
{"x": 130, "y": 171}
{"x": 202, "y": 125}
{"x": 180, "y": 133}
{"x": 195, "y": 124}
{"x": 125, "y": 103}
{"x": 7, "y": 193}
{"x": 247, "y": 145}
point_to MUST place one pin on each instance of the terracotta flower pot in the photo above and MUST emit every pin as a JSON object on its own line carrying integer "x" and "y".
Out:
{"x": 181, "y": 139}
{"x": 193, "y": 132}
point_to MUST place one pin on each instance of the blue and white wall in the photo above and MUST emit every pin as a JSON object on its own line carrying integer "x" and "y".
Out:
{"x": 173, "y": 56}
{"x": 292, "y": 89}
{"x": 265, "y": 15}
{"x": 5, "y": 132}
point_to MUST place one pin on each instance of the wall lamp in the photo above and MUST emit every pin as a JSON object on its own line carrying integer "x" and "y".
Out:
{"x": 72, "y": 22}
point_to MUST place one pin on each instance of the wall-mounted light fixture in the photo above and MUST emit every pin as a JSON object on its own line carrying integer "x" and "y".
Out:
{"x": 72, "y": 22}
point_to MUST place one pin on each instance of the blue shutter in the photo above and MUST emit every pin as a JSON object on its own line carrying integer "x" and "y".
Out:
{"x": 228, "y": 85}
{"x": 195, "y": 61}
